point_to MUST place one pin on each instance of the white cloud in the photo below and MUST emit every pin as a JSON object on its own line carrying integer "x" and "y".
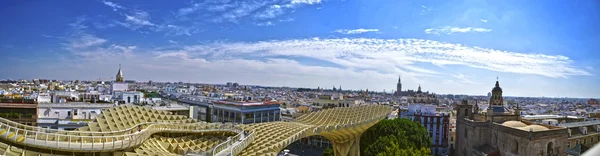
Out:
{"x": 271, "y": 12}
{"x": 267, "y": 23}
{"x": 306, "y": 1}
{"x": 139, "y": 18}
{"x": 464, "y": 79}
{"x": 355, "y": 31}
{"x": 452, "y": 30}
{"x": 484, "y": 21}
{"x": 51, "y": 36}
{"x": 86, "y": 46}
{"x": 173, "y": 42}
{"x": 114, "y": 6}
{"x": 590, "y": 68}
{"x": 235, "y": 11}
{"x": 188, "y": 10}
{"x": 287, "y": 20}
{"x": 357, "y": 63}
{"x": 425, "y": 9}
{"x": 79, "y": 38}
{"x": 86, "y": 40}
{"x": 174, "y": 30}
{"x": 244, "y": 9}
{"x": 397, "y": 55}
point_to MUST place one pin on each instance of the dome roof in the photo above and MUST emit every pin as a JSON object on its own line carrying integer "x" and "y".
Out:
{"x": 514, "y": 124}
{"x": 497, "y": 88}
{"x": 535, "y": 128}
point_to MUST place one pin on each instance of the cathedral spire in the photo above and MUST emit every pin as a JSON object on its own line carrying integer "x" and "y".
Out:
{"x": 399, "y": 86}
{"x": 120, "y": 77}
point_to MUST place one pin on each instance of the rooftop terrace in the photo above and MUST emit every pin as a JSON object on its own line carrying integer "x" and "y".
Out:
{"x": 579, "y": 124}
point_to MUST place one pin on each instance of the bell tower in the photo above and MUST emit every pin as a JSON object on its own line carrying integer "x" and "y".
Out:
{"x": 496, "y": 99}
{"x": 120, "y": 77}
{"x": 399, "y": 87}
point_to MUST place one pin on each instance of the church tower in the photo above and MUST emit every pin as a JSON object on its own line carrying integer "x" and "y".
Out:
{"x": 399, "y": 87}
{"x": 496, "y": 101}
{"x": 496, "y": 98}
{"x": 120, "y": 77}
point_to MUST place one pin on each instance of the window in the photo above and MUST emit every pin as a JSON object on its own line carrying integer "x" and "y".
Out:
{"x": 568, "y": 144}
{"x": 516, "y": 148}
{"x": 496, "y": 138}
{"x": 584, "y": 141}
{"x": 466, "y": 132}
{"x": 549, "y": 147}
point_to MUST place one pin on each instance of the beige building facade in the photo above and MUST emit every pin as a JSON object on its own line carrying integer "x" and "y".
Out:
{"x": 500, "y": 131}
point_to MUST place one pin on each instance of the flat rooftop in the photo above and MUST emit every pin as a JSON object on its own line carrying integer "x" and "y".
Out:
{"x": 580, "y": 124}
{"x": 530, "y": 117}
{"x": 246, "y": 103}
{"x": 17, "y": 105}
{"x": 172, "y": 108}
{"x": 75, "y": 104}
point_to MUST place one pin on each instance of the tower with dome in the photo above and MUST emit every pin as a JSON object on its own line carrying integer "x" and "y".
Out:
{"x": 498, "y": 130}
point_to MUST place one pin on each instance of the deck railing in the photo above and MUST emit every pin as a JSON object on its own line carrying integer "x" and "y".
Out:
{"x": 241, "y": 145}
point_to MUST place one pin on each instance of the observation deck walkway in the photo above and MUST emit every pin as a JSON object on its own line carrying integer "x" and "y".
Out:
{"x": 133, "y": 130}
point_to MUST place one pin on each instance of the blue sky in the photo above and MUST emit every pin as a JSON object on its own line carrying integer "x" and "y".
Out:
{"x": 457, "y": 46}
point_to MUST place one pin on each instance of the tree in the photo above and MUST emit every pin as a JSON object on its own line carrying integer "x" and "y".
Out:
{"x": 395, "y": 137}
{"x": 328, "y": 152}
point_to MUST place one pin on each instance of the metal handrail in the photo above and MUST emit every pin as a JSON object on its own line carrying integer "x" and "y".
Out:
{"x": 239, "y": 146}
{"x": 97, "y": 143}
{"x": 224, "y": 145}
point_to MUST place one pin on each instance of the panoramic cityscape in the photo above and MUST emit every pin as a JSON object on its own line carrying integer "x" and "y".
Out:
{"x": 300, "y": 77}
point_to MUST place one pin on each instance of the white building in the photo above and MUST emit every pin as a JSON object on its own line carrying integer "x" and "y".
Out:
{"x": 175, "y": 109}
{"x": 106, "y": 97}
{"x": 44, "y": 98}
{"x": 128, "y": 97}
{"x": 351, "y": 103}
{"x": 68, "y": 116}
{"x": 436, "y": 123}
{"x": 119, "y": 87}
